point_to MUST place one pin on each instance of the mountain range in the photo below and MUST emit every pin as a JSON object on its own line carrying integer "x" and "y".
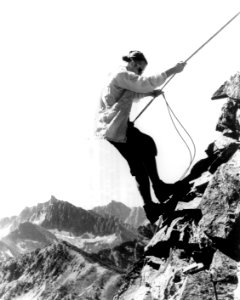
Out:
{"x": 56, "y": 250}
{"x": 92, "y": 230}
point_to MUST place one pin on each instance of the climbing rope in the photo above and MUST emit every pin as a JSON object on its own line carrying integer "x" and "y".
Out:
{"x": 170, "y": 111}
{"x": 193, "y": 54}
{"x": 192, "y": 156}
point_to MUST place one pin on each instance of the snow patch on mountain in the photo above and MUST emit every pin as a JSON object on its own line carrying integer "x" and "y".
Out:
{"x": 88, "y": 241}
{"x": 5, "y": 231}
{"x": 38, "y": 220}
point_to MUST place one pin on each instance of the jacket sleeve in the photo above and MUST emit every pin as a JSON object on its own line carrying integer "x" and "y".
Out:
{"x": 139, "y": 84}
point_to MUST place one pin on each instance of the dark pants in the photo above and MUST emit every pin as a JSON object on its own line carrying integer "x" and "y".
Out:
{"x": 140, "y": 152}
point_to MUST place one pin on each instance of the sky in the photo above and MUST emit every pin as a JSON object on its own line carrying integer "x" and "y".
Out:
{"x": 54, "y": 58}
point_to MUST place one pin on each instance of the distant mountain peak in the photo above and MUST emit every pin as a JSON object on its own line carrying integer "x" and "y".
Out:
{"x": 53, "y": 199}
{"x": 134, "y": 216}
{"x": 62, "y": 216}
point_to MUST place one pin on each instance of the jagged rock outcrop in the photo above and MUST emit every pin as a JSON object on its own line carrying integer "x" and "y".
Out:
{"x": 134, "y": 216}
{"x": 195, "y": 249}
{"x": 229, "y": 89}
{"x": 221, "y": 208}
{"x": 229, "y": 120}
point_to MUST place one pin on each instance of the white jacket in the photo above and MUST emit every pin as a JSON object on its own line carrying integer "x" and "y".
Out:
{"x": 122, "y": 88}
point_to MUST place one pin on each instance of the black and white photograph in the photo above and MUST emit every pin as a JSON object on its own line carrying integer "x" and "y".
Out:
{"x": 119, "y": 150}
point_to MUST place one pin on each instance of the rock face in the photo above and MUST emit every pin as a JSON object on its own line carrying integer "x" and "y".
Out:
{"x": 221, "y": 208}
{"x": 133, "y": 216}
{"x": 229, "y": 89}
{"x": 195, "y": 249}
{"x": 229, "y": 121}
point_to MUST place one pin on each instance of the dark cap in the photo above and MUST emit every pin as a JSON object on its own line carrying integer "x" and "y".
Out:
{"x": 135, "y": 56}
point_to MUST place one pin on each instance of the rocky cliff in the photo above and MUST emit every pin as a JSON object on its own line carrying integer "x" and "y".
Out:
{"x": 195, "y": 249}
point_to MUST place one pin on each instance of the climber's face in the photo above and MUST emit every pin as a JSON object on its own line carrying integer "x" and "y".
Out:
{"x": 137, "y": 67}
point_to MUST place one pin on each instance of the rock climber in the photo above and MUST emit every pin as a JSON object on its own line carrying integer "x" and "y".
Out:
{"x": 124, "y": 86}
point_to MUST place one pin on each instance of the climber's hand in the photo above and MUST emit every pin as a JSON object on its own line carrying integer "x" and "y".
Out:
{"x": 157, "y": 93}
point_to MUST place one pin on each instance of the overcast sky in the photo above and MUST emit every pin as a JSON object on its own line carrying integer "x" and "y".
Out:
{"x": 54, "y": 56}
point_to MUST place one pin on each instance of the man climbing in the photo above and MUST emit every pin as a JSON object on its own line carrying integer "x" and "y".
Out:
{"x": 124, "y": 86}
